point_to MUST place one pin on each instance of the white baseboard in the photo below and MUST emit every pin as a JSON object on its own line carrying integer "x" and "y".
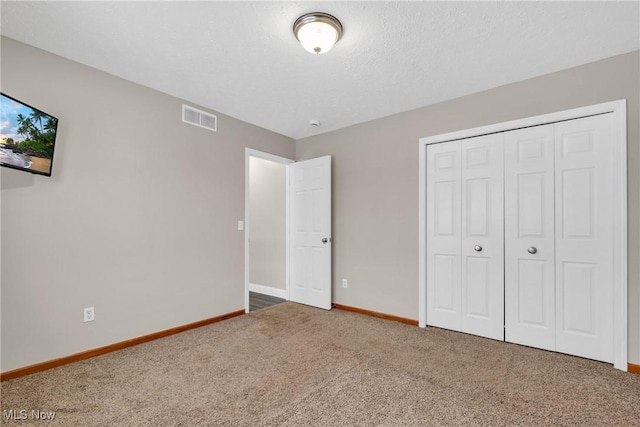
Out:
{"x": 268, "y": 290}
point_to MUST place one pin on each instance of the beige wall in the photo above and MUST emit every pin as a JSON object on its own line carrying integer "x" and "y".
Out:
{"x": 375, "y": 176}
{"x": 138, "y": 220}
{"x": 267, "y": 222}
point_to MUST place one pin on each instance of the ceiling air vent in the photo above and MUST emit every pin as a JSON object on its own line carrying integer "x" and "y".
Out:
{"x": 199, "y": 118}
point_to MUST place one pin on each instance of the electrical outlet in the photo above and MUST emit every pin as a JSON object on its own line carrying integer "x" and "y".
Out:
{"x": 89, "y": 314}
{"x": 345, "y": 284}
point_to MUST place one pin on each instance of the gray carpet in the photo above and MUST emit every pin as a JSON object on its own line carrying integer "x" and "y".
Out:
{"x": 292, "y": 365}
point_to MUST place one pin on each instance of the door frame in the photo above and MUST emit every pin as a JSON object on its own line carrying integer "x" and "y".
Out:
{"x": 619, "y": 111}
{"x": 248, "y": 153}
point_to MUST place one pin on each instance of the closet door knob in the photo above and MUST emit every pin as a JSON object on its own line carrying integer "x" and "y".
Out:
{"x": 532, "y": 250}
{"x": 477, "y": 248}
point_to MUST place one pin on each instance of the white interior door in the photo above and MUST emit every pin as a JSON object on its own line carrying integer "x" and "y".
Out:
{"x": 310, "y": 232}
{"x": 482, "y": 252}
{"x": 584, "y": 237}
{"x": 443, "y": 235}
{"x": 529, "y": 237}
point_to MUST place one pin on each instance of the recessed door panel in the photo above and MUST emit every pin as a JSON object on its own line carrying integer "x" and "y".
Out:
{"x": 577, "y": 208}
{"x": 319, "y": 221}
{"x": 300, "y": 268}
{"x": 579, "y": 297}
{"x": 532, "y": 292}
{"x": 478, "y": 195}
{"x": 529, "y": 237}
{"x": 532, "y": 201}
{"x": 446, "y": 205}
{"x": 318, "y": 265}
{"x": 478, "y": 295}
{"x": 577, "y": 144}
{"x": 477, "y": 156}
{"x": 447, "y": 160}
{"x": 531, "y": 148}
{"x": 445, "y": 279}
{"x": 301, "y": 219}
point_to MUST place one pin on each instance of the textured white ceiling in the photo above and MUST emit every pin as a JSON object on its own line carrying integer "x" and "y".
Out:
{"x": 241, "y": 58}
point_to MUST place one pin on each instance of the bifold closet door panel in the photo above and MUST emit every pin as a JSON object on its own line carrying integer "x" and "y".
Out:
{"x": 482, "y": 252}
{"x": 529, "y": 237}
{"x": 584, "y": 237}
{"x": 443, "y": 235}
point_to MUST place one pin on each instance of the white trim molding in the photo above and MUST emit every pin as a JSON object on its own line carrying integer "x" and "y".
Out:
{"x": 249, "y": 152}
{"x": 619, "y": 110}
{"x": 268, "y": 290}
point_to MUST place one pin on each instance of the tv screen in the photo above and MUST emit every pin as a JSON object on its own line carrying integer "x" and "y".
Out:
{"x": 27, "y": 136}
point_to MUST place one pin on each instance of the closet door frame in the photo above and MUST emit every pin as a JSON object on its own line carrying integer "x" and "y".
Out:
{"x": 619, "y": 147}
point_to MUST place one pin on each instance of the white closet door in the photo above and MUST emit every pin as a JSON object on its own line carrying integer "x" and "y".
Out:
{"x": 482, "y": 252}
{"x": 443, "y": 235}
{"x": 529, "y": 237}
{"x": 584, "y": 237}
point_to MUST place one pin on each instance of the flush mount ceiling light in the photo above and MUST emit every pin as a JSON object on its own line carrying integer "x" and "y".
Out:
{"x": 317, "y": 31}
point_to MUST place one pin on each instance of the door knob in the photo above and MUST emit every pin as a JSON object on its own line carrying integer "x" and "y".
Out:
{"x": 532, "y": 250}
{"x": 325, "y": 240}
{"x": 477, "y": 248}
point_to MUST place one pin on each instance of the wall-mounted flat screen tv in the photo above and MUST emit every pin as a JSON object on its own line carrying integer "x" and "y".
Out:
{"x": 27, "y": 137}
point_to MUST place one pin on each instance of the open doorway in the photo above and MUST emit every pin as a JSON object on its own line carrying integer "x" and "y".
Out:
{"x": 266, "y": 225}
